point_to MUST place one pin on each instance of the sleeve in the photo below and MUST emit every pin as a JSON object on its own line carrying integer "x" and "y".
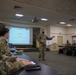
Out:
{"x": 3, "y": 46}
{"x": 48, "y": 38}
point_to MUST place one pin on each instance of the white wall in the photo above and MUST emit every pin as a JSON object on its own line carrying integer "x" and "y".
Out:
{"x": 58, "y": 31}
{"x": 71, "y": 32}
{"x": 67, "y": 33}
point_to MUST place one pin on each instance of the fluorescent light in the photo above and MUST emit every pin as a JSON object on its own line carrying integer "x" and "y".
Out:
{"x": 69, "y": 25}
{"x": 44, "y": 19}
{"x": 62, "y": 22}
{"x": 19, "y": 15}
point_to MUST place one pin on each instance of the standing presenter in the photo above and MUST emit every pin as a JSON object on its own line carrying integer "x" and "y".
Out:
{"x": 42, "y": 44}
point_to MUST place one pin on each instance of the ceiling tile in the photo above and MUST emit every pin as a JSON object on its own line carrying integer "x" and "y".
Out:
{"x": 23, "y": 1}
{"x": 54, "y": 10}
{"x": 68, "y": 7}
{"x": 52, "y": 3}
{"x": 37, "y": 2}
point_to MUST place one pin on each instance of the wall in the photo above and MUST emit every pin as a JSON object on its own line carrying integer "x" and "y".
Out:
{"x": 71, "y": 31}
{"x": 58, "y": 31}
{"x": 67, "y": 33}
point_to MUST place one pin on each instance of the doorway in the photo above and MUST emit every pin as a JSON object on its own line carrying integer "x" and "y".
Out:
{"x": 60, "y": 40}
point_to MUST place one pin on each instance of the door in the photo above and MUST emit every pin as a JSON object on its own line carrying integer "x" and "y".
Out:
{"x": 60, "y": 40}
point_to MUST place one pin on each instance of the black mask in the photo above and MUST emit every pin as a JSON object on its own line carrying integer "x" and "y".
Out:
{"x": 43, "y": 32}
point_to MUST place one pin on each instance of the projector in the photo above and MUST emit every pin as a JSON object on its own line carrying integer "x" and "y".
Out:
{"x": 35, "y": 20}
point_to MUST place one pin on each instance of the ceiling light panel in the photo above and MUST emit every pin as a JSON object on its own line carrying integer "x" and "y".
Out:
{"x": 62, "y": 22}
{"x": 19, "y": 15}
{"x": 69, "y": 25}
{"x": 44, "y": 19}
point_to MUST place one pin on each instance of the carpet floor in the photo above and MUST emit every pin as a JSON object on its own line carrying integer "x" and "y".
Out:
{"x": 64, "y": 64}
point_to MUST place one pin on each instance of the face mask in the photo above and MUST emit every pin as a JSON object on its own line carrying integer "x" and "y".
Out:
{"x": 43, "y": 32}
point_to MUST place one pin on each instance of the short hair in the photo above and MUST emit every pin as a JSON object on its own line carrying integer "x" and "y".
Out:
{"x": 3, "y": 31}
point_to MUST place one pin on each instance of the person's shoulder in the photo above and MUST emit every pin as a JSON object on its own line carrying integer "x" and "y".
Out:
{"x": 2, "y": 39}
{"x": 1, "y": 42}
{"x": 40, "y": 34}
{"x": 43, "y": 35}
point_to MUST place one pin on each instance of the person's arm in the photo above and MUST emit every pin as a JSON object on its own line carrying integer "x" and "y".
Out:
{"x": 8, "y": 49}
{"x": 4, "y": 46}
{"x": 49, "y": 38}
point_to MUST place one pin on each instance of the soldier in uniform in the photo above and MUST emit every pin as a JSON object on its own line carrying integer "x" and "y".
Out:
{"x": 42, "y": 44}
{"x": 67, "y": 44}
{"x": 8, "y": 63}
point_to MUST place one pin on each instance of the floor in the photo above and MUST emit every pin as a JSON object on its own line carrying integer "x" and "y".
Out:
{"x": 66, "y": 65}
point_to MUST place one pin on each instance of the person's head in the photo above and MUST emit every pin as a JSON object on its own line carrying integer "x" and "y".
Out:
{"x": 43, "y": 31}
{"x": 67, "y": 41}
{"x": 4, "y": 32}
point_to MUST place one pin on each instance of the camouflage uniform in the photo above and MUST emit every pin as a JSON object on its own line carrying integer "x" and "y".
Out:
{"x": 8, "y": 64}
{"x": 42, "y": 42}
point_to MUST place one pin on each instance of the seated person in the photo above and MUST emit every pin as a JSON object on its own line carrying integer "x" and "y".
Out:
{"x": 67, "y": 44}
{"x": 8, "y": 64}
{"x": 67, "y": 47}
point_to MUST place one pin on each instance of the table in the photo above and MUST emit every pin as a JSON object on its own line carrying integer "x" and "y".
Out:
{"x": 45, "y": 70}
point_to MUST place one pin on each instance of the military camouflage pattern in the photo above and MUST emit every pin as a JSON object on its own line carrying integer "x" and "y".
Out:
{"x": 8, "y": 64}
{"x": 42, "y": 48}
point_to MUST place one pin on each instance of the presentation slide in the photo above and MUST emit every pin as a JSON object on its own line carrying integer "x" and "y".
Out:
{"x": 20, "y": 36}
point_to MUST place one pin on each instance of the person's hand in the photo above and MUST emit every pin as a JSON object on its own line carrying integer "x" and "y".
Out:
{"x": 52, "y": 37}
{"x": 11, "y": 53}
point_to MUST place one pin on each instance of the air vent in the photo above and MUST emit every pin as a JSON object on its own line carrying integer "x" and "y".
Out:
{"x": 17, "y": 7}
